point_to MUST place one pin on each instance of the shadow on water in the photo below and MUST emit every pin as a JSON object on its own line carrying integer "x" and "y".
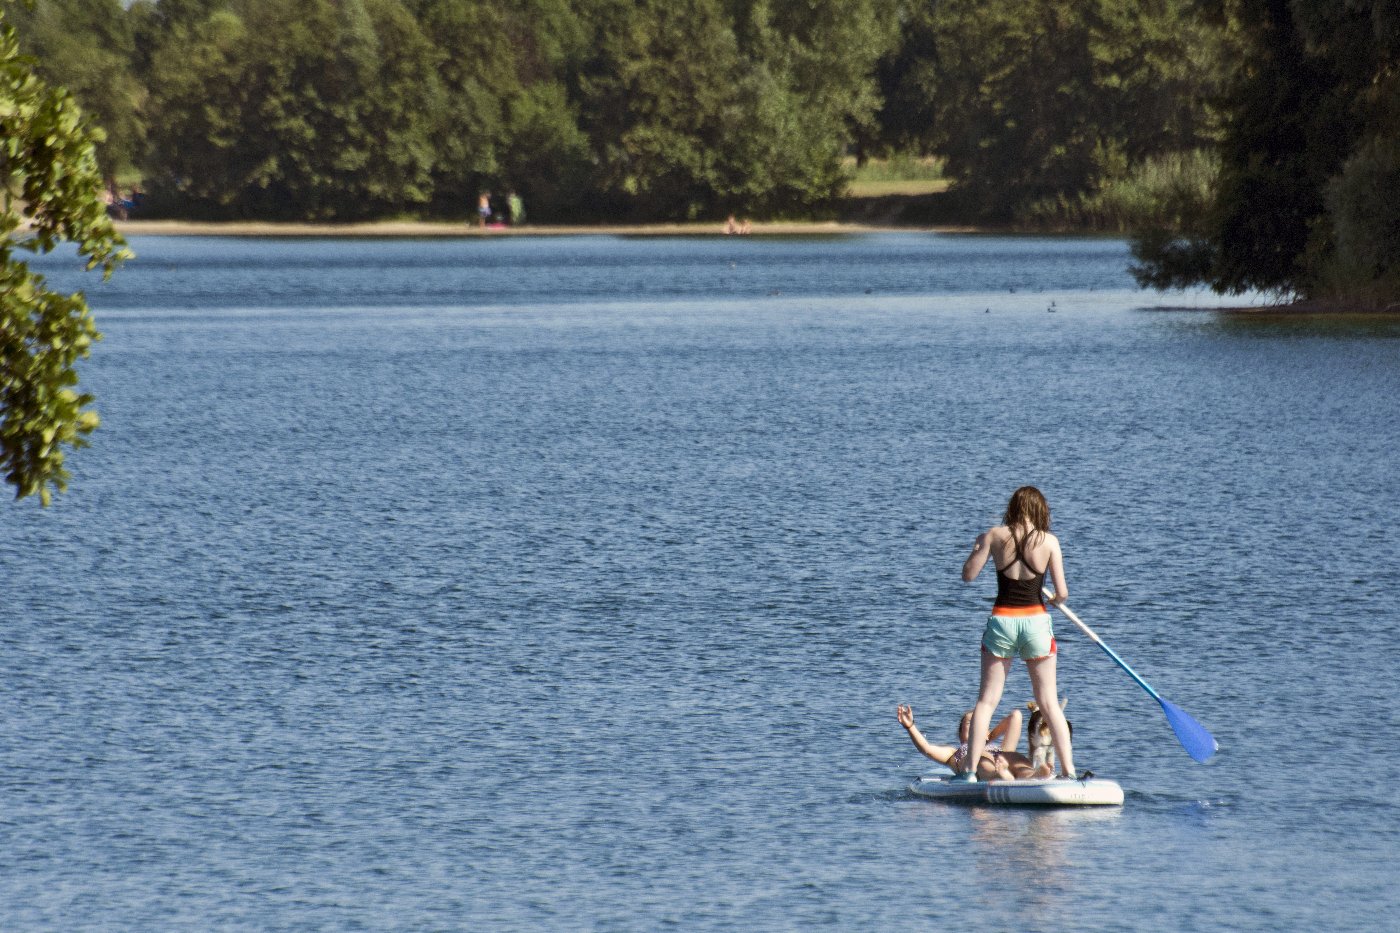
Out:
{"x": 1282, "y": 324}
{"x": 1347, "y": 326}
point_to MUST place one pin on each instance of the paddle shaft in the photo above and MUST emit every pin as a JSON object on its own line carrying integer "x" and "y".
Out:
{"x": 1193, "y": 736}
{"x": 1069, "y": 614}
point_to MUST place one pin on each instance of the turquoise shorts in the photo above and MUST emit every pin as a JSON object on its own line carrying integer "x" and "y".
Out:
{"x": 1027, "y": 637}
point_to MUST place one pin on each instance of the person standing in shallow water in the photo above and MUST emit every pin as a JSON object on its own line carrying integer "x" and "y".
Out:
{"x": 1023, "y": 551}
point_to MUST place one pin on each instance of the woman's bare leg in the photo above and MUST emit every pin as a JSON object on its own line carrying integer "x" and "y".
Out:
{"x": 1002, "y": 768}
{"x": 1042, "y": 671}
{"x": 994, "y": 670}
{"x": 1021, "y": 769}
{"x": 1008, "y": 730}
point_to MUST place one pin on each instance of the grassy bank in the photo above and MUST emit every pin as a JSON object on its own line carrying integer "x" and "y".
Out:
{"x": 906, "y": 176}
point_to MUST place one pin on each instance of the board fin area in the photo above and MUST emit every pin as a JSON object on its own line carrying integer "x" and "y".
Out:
{"x": 1041, "y": 792}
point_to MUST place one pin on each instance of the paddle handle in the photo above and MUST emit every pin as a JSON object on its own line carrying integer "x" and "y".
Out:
{"x": 1069, "y": 614}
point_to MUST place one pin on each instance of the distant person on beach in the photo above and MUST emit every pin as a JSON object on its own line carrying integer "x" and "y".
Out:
{"x": 483, "y": 208}
{"x": 516, "y": 205}
{"x": 116, "y": 204}
{"x": 999, "y": 760}
{"x": 1023, "y": 551}
{"x": 733, "y": 226}
{"x": 129, "y": 202}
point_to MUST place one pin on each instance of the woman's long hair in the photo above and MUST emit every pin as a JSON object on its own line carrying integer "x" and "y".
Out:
{"x": 1027, "y": 506}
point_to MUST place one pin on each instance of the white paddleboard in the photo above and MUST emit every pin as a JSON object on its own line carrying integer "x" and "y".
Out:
{"x": 1052, "y": 792}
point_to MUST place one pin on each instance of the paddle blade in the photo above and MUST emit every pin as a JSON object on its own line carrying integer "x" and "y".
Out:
{"x": 1193, "y": 736}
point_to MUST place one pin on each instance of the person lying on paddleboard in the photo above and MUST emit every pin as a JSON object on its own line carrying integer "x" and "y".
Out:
{"x": 999, "y": 762}
{"x": 1023, "y": 550}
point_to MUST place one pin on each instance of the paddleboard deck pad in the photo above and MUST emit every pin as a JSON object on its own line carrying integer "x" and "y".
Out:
{"x": 1045, "y": 793}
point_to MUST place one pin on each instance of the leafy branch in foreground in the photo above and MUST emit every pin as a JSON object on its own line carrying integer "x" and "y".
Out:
{"x": 49, "y": 193}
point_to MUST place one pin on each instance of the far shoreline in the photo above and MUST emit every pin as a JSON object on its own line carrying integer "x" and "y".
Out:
{"x": 447, "y": 230}
{"x": 424, "y": 229}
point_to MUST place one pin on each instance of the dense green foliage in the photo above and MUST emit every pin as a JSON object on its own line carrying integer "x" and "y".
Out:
{"x": 314, "y": 110}
{"x": 1169, "y": 192}
{"x": 1039, "y": 101}
{"x": 1310, "y": 161}
{"x": 1036, "y": 104}
{"x": 51, "y": 194}
{"x": 88, "y": 48}
{"x": 629, "y": 109}
{"x": 347, "y": 109}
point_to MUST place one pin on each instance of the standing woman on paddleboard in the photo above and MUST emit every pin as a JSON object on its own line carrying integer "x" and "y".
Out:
{"x": 1023, "y": 550}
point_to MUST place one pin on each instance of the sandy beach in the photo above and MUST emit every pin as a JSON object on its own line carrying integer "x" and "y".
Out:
{"x": 408, "y": 228}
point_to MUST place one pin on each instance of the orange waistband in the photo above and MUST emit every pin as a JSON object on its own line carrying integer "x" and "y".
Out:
{"x": 1019, "y": 610}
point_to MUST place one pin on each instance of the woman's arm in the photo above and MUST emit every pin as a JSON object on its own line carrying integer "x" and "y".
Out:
{"x": 981, "y": 549}
{"x": 943, "y": 754}
{"x": 1057, "y": 570}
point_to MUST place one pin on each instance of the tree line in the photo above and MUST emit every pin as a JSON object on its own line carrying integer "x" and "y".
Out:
{"x": 625, "y": 109}
{"x": 351, "y": 109}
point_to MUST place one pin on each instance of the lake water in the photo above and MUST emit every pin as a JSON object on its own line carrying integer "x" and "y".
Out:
{"x": 537, "y": 584}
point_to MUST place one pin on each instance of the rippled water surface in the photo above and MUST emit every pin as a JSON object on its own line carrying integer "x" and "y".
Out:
{"x": 572, "y": 584}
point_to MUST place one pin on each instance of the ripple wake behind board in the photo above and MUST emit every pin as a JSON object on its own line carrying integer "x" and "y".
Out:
{"x": 1050, "y": 792}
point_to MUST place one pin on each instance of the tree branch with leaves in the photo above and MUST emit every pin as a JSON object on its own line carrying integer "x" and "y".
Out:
{"x": 50, "y": 193}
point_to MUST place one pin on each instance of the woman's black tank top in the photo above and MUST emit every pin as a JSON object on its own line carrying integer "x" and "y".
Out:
{"x": 1017, "y": 593}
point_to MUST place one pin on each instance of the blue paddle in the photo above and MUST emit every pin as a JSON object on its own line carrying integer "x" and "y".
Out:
{"x": 1193, "y": 736}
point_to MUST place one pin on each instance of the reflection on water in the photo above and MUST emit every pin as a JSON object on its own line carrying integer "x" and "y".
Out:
{"x": 1028, "y": 853}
